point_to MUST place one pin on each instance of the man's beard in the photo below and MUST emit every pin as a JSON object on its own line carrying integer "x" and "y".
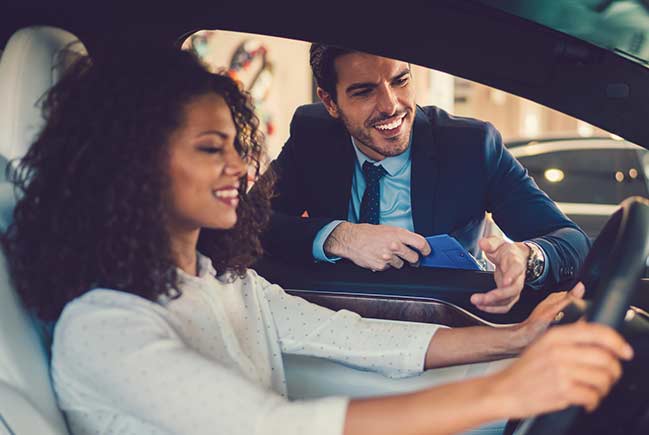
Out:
{"x": 363, "y": 136}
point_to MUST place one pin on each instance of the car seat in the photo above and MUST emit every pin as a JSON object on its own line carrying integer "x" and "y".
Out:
{"x": 32, "y": 61}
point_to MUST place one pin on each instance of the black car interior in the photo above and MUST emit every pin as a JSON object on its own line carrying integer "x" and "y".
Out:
{"x": 550, "y": 67}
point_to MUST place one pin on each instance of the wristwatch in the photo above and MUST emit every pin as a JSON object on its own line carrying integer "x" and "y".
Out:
{"x": 535, "y": 262}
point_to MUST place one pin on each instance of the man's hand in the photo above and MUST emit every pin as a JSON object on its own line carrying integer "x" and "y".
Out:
{"x": 510, "y": 260}
{"x": 376, "y": 247}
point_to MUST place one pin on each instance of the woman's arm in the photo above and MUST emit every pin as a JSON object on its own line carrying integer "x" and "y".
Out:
{"x": 399, "y": 349}
{"x": 394, "y": 349}
{"x": 473, "y": 344}
{"x": 570, "y": 365}
{"x": 447, "y": 409}
{"x": 482, "y": 343}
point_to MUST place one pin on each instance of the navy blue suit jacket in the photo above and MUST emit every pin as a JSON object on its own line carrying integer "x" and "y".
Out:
{"x": 460, "y": 169}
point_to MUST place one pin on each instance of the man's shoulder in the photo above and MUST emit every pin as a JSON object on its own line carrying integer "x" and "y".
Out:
{"x": 440, "y": 118}
{"x": 311, "y": 111}
{"x": 460, "y": 133}
{"x": 312, "y": 123}
{"x": 313, "y": 114}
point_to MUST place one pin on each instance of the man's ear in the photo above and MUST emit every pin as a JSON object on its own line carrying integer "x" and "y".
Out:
{"x": 328, "y": 102}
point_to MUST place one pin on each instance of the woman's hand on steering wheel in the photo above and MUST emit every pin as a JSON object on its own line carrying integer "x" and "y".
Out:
{"x": 548, "y": 311}
{"x": 574, "y": 364}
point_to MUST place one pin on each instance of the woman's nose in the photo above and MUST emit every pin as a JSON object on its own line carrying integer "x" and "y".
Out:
{"x": 235, "y": 165}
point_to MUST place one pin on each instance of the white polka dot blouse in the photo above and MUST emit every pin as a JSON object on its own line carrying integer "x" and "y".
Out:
{"x": 210, "y": 361}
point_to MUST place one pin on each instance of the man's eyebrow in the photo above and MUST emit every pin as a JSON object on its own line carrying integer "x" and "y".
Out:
{"x": 356, "y": 86}
{"x": 366, "y": 85}
{"x": 219, "y": 133}
{"x": 401, "y": 75}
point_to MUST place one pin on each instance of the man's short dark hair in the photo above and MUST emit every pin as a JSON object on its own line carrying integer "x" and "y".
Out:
{"x": 322, "y": 58}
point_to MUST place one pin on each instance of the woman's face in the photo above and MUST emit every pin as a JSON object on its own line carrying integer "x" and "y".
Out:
{"x": 204, "y": 166}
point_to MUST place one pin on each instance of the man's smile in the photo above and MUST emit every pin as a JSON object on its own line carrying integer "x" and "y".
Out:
{"x": 391, "y": 123}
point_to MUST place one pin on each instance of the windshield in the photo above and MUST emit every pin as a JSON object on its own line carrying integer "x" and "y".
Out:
{"x": 620, "y": 25}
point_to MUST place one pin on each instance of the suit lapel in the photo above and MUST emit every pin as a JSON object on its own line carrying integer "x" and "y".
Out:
{"x": 423, "y": 175}
{"x": 342, "y": 160}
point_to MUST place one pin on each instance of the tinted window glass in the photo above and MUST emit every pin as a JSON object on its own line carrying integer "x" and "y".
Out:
{"x": 598, "y": 176}
{"x": 276, "y": 71}
{"x": 619, "y": 25}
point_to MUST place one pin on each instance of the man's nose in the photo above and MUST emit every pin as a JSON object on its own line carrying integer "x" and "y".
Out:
{"x": 387, "y": 100}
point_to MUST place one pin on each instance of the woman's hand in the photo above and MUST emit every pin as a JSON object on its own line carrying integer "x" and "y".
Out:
{"x": 547, "y": 311}
{"x": 573, "y": 364}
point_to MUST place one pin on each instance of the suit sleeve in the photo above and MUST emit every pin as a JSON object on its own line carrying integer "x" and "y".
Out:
{"x": 524, "y": 212}
{"x": 290, "y": 236}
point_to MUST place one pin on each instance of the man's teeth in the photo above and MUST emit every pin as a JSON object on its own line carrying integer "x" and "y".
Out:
{"x": 226, "y": 193}
{"x": 390, "y": 126}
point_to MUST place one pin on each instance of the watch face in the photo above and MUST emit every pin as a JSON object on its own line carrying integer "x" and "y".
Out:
{"x": 534, "y": 263}
{"x": 538, "y": 267}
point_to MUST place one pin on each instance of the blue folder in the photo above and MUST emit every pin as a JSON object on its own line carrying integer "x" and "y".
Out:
{"x": 448, "y": 253}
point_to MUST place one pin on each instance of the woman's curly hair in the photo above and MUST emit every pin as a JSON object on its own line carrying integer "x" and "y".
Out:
{"x": 92, "y": 207}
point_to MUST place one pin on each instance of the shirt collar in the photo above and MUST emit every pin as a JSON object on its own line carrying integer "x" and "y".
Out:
{"x": 204, "y": 268}
{"x": 392, "y": 165}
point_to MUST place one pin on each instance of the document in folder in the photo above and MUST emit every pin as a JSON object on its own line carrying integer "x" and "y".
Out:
{"x": 448, "y": 253}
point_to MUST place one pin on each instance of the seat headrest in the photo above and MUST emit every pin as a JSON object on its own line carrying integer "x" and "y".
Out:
{"x": 32, "y": 61}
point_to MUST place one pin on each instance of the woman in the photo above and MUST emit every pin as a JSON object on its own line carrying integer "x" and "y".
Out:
{"x": 135, "y": 231}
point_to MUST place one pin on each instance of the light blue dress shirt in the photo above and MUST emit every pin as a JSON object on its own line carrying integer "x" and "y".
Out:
{"x": 395, "y": 198}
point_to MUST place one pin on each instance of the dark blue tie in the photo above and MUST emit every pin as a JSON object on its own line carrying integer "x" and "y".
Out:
{"x": 370, "y": 205}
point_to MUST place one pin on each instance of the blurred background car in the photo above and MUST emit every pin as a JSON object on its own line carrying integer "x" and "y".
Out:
{"x": 586, "y": 177}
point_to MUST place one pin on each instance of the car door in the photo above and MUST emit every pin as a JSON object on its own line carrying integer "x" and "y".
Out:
{"x": 438, "y": 35}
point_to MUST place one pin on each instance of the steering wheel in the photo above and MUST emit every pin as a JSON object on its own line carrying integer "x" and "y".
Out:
{"x": 612, "y": 269}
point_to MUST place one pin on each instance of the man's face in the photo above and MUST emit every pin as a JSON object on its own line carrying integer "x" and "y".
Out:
{"x": 376, "y": 102}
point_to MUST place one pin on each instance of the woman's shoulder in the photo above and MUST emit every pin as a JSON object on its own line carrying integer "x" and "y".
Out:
{"x": 100, "y": 309}
{"x": 251, "y": 284}
{"x": 100, "y": 298}
{"x": 250, "y": 278}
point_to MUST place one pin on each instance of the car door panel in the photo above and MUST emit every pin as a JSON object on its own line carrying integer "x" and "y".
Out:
{"x": 411, "y": 294}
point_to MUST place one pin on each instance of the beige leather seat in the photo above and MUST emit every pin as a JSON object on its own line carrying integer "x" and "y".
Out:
{"x": 31, "y": 63}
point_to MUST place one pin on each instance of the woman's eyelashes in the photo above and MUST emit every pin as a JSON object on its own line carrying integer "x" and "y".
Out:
{"x": 210, "y": 149}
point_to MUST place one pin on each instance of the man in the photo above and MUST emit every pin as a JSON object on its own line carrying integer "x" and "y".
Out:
{"x": 375, "y": 174}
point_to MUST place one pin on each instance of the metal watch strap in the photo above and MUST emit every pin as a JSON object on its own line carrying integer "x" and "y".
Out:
{"x": 535, "y": 262}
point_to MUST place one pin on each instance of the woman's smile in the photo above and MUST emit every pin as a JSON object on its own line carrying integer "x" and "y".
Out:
{"x": 228, "y": 195}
